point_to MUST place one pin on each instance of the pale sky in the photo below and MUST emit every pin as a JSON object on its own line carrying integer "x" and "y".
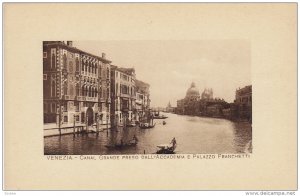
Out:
{"x": 171, "y": 66}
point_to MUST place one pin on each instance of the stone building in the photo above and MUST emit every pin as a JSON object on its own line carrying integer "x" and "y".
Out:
{"x": 123, "y": 95}
{"x": 180, "y": 107}
{"x": 207, "y": 94}
{"x": 142, "y": 99}
{"x": 243, "y": 102}
{"x": 76, "y": 85}
{"x": 169, "y": 108}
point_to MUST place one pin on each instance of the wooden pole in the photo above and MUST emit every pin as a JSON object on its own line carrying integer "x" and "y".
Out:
{"x": 59, "y": 118}
{"x": 97, "y": 124}
{"x": 74, "y": 125}
{"x": 87, "y": 121}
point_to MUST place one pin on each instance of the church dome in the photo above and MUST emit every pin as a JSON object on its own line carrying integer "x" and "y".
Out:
{"x": 192, "y": 91}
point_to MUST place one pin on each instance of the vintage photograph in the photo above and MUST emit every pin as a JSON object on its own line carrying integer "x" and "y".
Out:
{"x": 150, "y": 96}
{"x": 147, "y": 97}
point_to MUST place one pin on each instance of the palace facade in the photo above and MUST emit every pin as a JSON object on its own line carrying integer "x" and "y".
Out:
{"x": 76, "y": 85}
{"x": 83, "y": 88}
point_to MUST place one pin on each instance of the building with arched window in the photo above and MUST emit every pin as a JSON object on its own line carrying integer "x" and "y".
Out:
{"x": 76, "y": 85}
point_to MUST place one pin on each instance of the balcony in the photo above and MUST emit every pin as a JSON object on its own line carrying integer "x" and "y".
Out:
{"x": 102, "y": 99}
{"x": 80, "y": 98}
{"x": 93, "y": 99}
{"x": 66, "y": 97}
{"x": 125, "y": 95}
{"x": 140, "y": 102}
{"x": 124, "y": 108}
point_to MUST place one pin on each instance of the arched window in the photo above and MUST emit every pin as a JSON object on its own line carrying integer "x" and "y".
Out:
{"x": 89, "y": 67}
{"x": 92, "y": 95}
{"x": 65, "y": 61}
{"x": 96, "y": 92}
{"x": 90, "y": 91}
{"x": 53, "y": 61}
{"x": 82, "y": 91}
{"x": 77, "y": 90}
{"x": 53, "y": 89}
{"x": 82, "y": 65}
{"x": 77, "y": 64}
{"x": 65, "y": 88}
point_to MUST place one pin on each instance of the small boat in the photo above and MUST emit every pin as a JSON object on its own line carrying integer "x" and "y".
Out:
{"x": 124, "y": 145}
{"x": 132, "y": 124}
{"x": 166, "y": 149}
{"x": 146, "y": 125}
{"x": 160, "y": 117}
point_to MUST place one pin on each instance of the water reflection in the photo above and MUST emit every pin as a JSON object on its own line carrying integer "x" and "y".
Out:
{"x": 193, "y": 135}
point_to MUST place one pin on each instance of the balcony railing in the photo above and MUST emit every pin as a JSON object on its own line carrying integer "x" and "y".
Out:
{"x": 66, "y": 97}
{"x": 125, "y": 108}
{"x": 94, "y": 99}
{"x": 80, "y": 98}
{"x": 125, "y": 95}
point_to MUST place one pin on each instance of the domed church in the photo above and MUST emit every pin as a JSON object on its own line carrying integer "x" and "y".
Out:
{"x": 192, "y": 94}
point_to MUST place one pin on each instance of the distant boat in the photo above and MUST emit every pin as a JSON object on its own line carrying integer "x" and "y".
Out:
{"x": 146, "y": 125}
{"x": 131, "y": 143}
{"x": 160, "y": 117}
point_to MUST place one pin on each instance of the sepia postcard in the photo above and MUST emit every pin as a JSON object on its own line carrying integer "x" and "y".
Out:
{"x": 171, "y": 96}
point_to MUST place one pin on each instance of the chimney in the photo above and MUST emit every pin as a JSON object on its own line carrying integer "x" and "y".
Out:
{"x": 103, "y": 55}
{"x": 70, "y": 43}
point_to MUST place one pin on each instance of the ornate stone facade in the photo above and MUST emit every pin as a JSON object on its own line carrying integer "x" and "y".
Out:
{"x": 76, "y": 85}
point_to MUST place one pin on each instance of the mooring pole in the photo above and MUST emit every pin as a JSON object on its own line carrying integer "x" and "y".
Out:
{"x": 87, "y": 121}
{"x": 59, "y": 119}
{"x": 97, "y": 124}
{"x": 74, "y": 125}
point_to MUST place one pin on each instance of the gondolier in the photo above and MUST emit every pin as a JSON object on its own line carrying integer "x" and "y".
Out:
{"x": 173, "y": 142}
{"x": 135, "y": 139}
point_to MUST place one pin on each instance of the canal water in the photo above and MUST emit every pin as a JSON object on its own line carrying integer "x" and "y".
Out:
{"x": 194, "y": 135}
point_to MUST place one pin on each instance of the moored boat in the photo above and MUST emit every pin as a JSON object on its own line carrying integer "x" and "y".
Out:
{"x": 146, "y": 125}
{"x": 160, "y": 117}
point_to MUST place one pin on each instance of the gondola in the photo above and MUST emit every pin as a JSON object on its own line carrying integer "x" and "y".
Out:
{"x": 160, "y": 117}
{"x": 146, "y": 126}
{"x": 124, "y": 145}
{"x": 131, "y": 124}
{"x": 166, "y": 149}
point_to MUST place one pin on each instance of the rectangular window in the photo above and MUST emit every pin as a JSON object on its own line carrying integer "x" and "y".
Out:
{"x": 76, "y": 104}
{"x": 65, "y": 107}
{"x": 45, "y": 108}
{"x": 44, "y": 76}
{"x": 77, "y": 118}
{"x": 45, "y": 55}
{"x": 53, "y": 110}
{"x": 65, "y": 118}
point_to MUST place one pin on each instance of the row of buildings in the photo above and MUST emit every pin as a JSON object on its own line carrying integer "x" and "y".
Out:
{"x": 207, "y": 105}
{"x": 85, "y": 88}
